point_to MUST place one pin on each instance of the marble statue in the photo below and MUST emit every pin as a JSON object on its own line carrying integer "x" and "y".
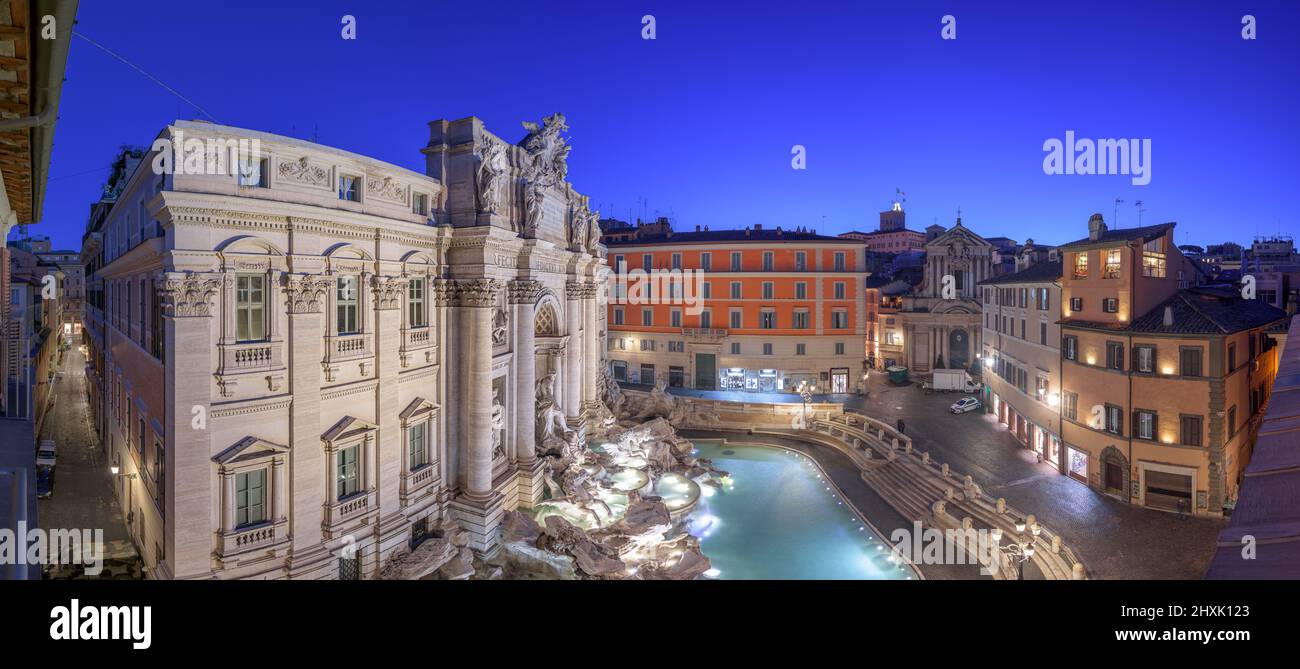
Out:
{"x": 491, "y": 171}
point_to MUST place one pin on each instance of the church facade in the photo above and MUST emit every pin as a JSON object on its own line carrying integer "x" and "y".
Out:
{"x": 309, "y": 361}
{"x": 941, "y": 317}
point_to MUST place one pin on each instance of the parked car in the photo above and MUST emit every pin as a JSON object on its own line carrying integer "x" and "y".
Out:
{"x": 965, "y": 404}
{"x": 44, "y": 482}
{"x": 45, "y": 454}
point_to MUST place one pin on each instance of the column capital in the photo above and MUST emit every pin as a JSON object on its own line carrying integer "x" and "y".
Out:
{"x": 575, "y": 289}
{"x": 388, "y": 291}
{"x": 524, "y": 291}
{"x": 476, "y": 292}
{"x": 186, "y": 294}
{"x": 305, "y": 293}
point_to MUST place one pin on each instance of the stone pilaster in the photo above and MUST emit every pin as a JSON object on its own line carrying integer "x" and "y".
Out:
{"x": 188, "y": 303}
{"x": 304, "y": 302}
{"x": 479, "y": 507}
{"x": 388, "y": 293}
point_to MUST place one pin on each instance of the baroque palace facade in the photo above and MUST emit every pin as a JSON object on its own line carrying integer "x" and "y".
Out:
{"x": 302, "y": 364}
{"x": 941, "y": 318}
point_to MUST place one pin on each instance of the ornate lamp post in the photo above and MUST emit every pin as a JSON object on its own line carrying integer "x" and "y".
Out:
{"x": 805, "y": 390}
{"x": 1019, "y": 550}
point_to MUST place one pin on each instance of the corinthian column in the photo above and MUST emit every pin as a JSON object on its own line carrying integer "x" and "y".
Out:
{"x": 590, "y": 350}
{"x": 573, "y": 292}
{"x": 523, "y": 298}
{"x": 476, "y": 299}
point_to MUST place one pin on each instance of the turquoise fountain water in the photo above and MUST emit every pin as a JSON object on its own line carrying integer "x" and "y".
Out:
{"x": 779, "y": 519}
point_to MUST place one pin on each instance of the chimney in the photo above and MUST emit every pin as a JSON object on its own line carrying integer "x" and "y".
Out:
{"x": 1169, "y": 316}
{"x": 746, "y": 230}
{"x": 778, "y": 231}
{"x": 1096, "y": 227}
{"x": 697, "y": 228}
{"x": 758, "y": 227}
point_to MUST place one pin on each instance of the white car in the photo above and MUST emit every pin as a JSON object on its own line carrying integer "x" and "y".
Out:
{"x": 965, "y": 404}
{"x": 45, "y": 455}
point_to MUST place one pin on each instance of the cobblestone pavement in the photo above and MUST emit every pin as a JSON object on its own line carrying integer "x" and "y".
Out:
{"x": 1114, "y": 540}
{"x": 83, "y": 486}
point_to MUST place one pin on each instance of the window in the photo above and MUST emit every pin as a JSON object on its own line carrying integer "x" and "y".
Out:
{"x": 253, "y": 171}
{"x": 156, "y": 342}
{"x": 1076, "y": 304}
{"x": 800, "y": 261}
{"x": 647, "y": 262}
{"x": 139, "y": 435}
{"x": 349, "y": 188}
{"x": 801, "y": 290}
{"x": 839, "y": 290}
{"x": 1153, "y": 259}
{"x": 706, "y": 319}
{"x": 1044, "y": 299}
{"x": 735, "y": 348}
{"x": 839, "y": 261}
{"x": 767, "y": 320}
{"x": 618, "y": 316}
{"x": 735, "y": 319}
{"x": 1189, "y": 360}
{"x": 1232, "y": 422}
{"x": 1110, "y": 305}
{"x": 706, "y": 290}
{"x": 347, "y": 321}
{"x": 1040, "y": 388}
{"x": 676, "y": 260}
{"x": 417, "y": 446}
{"x": 1144, "y": 424}
{"x": 420, "y": 204}
{"x": 800, "y": 349}
{"x": 675, "y": 318}
{"x": 1144, "y": 359}
{"x": 735, "y": 261}
{"x": 620, "y": 370}
{"x": 767, "y": 290}
{"x": 1190, "y": 432}
{"x": 1114, "y": 419}
{"x": 619, "y": 263}
{"x": 735, "y": 290}
{"x": 706, "y": 261}
{"x": 839, "y": 348}
{"x": 415, "y": 303}
{"x": 250, "y": 498}
{"x": 1070, "y": 405}
{"x": 1111, "y": 270}
{"x": 1081, "y": 265}
{"x": 767, "y": 349}
{"x": 647, "y": 344}
{"x": 1114, "y": 355}
{"x": 1232, "y": 357}
{"x": 647, "y": 317}
{"x": 676, "y": 346}
{"x": 800, "y": 320}
{"x": 348, "y": 472}
{"x": 839, "y": 319}
{"x": 250, "y": 307}
{"x": 767, "y": 261}
{"x": 1042, "y": 333}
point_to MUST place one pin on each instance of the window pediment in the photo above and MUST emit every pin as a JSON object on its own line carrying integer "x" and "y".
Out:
{"x": 249, "y": 449}
{"x": 347, "y": 429}
{"x": 418, "y": 409}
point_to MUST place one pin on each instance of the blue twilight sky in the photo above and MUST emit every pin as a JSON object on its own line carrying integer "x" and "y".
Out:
{"x": 699, "y": 123}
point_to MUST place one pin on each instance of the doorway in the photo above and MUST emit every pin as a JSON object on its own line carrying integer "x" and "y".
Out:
{"x": 706, "y": 371}
{"x": 840, "y": 380}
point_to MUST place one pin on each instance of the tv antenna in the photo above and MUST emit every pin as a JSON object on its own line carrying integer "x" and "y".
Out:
{"x": 1138, "y": 204}
{"x": 1118, "y": 202}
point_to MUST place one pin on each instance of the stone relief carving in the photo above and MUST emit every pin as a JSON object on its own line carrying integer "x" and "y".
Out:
{"x": 303, "y": 171}
{"x": 305, "y": 293}
{"x": 491, "y": 171}
{"x": 500, "y": 326}
{"x": 386, "y": 189}
{"x": 498, "y": 424}
{"x": 186, "y": 295}
{"x": 388, "y": 291}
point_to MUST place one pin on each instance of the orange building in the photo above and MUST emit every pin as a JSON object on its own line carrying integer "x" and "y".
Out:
{"x": 757, "y": 309}
{"x": 1163, "y": 379}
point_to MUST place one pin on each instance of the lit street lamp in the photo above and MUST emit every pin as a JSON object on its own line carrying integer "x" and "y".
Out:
{"x": 1018, "y": 550}
{"x": 805, "y": 391}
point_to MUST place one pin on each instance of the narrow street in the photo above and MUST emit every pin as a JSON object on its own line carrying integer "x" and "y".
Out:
{"x": 1115, "y": 540}
{"x": 83, "y": 485}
